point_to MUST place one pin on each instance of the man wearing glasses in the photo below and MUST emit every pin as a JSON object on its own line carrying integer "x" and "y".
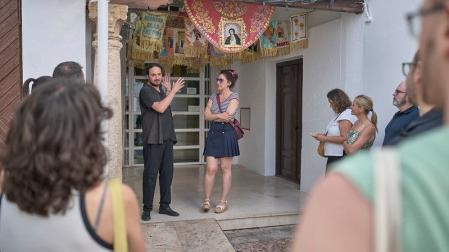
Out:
{"x": 401, "y": 119}
{"x": 430, "y": 117}
{"x": 423, "y": 223}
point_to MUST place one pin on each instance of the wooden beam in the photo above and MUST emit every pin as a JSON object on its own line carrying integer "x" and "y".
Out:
{"x": 350, "y": 6}
{"x": 142, "y": 4}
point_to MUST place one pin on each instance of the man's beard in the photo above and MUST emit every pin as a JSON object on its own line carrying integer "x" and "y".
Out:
{"x": 399, "y": 103}
{"x": 154, "y": 84}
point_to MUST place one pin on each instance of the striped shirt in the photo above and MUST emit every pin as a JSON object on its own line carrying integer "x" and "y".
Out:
{"x": 224, "y": 104}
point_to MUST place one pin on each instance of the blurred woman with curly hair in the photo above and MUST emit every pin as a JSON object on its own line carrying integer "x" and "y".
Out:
{"x": 54, "y": 197}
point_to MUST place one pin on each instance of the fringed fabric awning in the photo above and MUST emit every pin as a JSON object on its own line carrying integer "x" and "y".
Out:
{"x": 229, "y": 26}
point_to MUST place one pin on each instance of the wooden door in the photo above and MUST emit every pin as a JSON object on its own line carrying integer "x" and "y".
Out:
{"x": 10, "y": 63}
{"x": 289, "y": 119}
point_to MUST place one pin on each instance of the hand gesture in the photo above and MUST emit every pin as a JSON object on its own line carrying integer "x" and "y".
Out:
{"x": 166, "y": 82}
{"x": 178, "y": 85}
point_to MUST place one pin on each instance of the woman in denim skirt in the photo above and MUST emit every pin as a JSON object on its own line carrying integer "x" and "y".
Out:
{"x": 221, "y": 144}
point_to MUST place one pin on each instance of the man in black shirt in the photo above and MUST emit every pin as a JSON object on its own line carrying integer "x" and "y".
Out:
{"x": 401, "y": 119}
{"x": 159, "y": 136}
{"x": 429, "y": 116}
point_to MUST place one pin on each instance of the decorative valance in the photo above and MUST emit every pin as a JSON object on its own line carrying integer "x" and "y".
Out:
{"x": 229, "y": 26}
{"x": 148, "y": 35}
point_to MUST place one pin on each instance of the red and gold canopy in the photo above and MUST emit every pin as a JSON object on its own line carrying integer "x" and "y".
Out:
{"x": 228, "y": 25}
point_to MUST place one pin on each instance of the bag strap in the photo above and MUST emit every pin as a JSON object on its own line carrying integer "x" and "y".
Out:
{"x": 118, "y": 210}
{"x": 219, "y": 103}
{"x": 387, "y": 212}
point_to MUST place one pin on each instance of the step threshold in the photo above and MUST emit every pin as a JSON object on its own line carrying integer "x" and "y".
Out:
{"x": 269, "y": 220}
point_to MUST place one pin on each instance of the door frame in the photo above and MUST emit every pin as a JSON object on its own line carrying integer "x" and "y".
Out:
{"x": 300, "y": 64}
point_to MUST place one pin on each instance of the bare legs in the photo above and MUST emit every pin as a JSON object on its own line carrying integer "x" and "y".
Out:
{"x": 225, "y": 165}
{"x": 209, "y": 177}
{"x": 211, "y": 171}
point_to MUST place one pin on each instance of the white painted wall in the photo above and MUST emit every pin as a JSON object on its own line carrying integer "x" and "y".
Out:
{"x": 387, "y": 43}
{"x": 347, "y": 53}
{"x": 322, "y": 72}
{"x": 53, "y": 31}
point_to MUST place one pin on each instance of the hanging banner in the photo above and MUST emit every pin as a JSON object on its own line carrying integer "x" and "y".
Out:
{"x": 268, "y": 40}
{"x": 195, "y": 42}
{"x": 228, "y": 25}
{"x": 148, "y": 35}
{"x": 298, "y": 33}
{"x": 283, "y": 38}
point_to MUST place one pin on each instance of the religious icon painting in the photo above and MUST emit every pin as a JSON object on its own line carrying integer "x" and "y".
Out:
{"x": 232, "y": 33}
{"x": 298, "y": 27}
{"x": 230, "y": 26}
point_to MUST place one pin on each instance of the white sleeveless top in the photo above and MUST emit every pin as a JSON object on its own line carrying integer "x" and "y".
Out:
{"x": 21, "y": 231}
{"x": 333, "y": 129}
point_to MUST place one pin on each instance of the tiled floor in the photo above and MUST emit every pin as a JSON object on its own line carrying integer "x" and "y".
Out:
{"x": 255, "y": 201}
{"x": 252, "y": 195}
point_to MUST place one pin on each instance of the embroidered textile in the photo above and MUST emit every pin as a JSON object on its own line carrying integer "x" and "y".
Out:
{"x": 229, "y": 26}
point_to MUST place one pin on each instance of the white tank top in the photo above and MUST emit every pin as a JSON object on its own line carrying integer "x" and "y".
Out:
{"x": 21, "y": 231}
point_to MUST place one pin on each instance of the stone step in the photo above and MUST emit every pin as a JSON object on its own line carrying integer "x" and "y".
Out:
{"x": 195, "y": 235}
{"x": 262, "y": 220}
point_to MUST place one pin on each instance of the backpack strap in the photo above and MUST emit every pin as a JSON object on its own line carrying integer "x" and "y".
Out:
{"x": 387, "y": 207}
{"x": 118, "y": 211}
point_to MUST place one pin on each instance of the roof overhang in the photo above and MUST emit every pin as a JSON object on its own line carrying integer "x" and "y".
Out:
{"x": 350, "y": 6}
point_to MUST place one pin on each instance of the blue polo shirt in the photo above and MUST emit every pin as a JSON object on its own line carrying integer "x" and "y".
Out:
{"x": 399, "y": 121}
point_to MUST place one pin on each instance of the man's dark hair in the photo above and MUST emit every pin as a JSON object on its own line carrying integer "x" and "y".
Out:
{"x": 69, "y": 70}
{"x": 340, "y": 99}
{"x": 153, "y": 64}
{"x": 54, "y": 146}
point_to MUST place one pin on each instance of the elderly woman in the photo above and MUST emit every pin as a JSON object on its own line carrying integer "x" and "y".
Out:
{"x": 363, "y": 132}
{"x": 338, "y": 127}
{"x": 54, "y": 197}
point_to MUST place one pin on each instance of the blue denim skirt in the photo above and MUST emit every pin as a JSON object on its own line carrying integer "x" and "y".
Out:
{"x": 221, "y": 141}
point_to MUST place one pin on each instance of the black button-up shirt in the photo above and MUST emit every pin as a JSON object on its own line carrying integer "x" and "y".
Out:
{"x": 157, "y": 127}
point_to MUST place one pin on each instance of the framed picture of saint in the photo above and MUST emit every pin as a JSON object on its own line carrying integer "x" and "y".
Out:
{"x": 231, "y": 34}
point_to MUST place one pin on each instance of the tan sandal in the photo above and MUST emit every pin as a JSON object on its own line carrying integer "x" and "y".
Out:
{"x": 206, "y": 205}
{"x": 222, "y": 206}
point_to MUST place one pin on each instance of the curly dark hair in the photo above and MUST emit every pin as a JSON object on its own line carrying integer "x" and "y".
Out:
{"x": 54, "y": 146}
{"x": 339, "y": 99}
{"x": 231, "y": 75}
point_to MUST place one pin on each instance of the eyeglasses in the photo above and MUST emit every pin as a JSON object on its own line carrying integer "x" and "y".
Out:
{"x": 396, "y": 92}
{"x": 407, "y": 67}
{"x": 414, "y": 18}
{"x": 220, "y": 80}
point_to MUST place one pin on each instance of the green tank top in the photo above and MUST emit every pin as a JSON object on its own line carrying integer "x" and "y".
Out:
{"x": 424, "y": 188}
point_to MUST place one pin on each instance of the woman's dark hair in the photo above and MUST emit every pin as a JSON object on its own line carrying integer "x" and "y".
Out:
{"x": 231, "y": 75}
{"x": 339, "y": 99}
{"x": 36, "y": 83}
{"x": 54, "y": 146}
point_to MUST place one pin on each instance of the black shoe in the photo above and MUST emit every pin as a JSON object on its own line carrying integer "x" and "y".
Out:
{"x": 146, "y": 215}
{"x": 168, "y": 211}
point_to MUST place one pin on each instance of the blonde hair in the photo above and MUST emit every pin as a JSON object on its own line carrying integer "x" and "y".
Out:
{"x": 366, "y": 103}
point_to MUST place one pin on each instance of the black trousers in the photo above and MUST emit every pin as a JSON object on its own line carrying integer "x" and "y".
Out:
{"x": 331, "y": 159}
{"x": 158, "y": 158}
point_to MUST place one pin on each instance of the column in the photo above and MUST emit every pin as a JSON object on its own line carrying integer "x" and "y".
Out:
{"x": 114, "y": 131}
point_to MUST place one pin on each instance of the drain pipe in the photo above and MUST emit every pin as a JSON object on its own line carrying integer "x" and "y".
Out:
{"x": 102, "y": 49}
